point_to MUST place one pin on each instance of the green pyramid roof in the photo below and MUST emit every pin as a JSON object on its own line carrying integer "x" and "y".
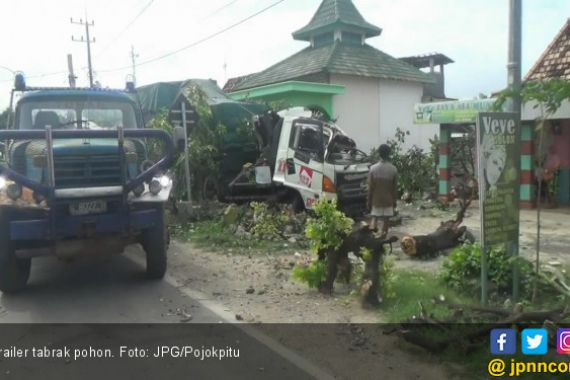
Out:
{"x": 337, "y": 58}
{"x": 334, "y": 14}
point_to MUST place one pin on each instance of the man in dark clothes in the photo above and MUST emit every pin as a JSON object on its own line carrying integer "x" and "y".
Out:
{"x": 382, "y": 190}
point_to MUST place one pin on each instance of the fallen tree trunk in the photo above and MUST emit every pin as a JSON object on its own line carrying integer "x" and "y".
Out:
{"x": 448, "y": 235}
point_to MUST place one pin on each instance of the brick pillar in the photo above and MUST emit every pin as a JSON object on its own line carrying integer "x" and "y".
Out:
{"x": 444, "y": 164}
{"x": 527, "y": 198}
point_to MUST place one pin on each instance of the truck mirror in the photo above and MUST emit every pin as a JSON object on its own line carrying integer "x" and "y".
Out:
{"x": 179, "y": 137}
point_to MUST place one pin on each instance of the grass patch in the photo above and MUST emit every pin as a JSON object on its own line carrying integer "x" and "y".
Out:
{"x": 213, "y": 235}
{"x": 412, "y": 287}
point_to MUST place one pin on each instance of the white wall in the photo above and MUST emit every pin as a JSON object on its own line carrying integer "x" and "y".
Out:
{"x": 358, "y": 110}
{"x": 370, "y": 110}
{"x": 532, "y": 111}
{"x": 397, "y": 100}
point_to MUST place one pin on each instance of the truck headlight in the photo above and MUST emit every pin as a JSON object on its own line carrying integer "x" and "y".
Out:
{"x": 14, "y": 191}
{"x": 164, "y": 181}
{"x": 2, "y": 183}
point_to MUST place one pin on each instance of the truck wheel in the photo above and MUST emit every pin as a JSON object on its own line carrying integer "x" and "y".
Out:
{"x": 296, "y": 202}
{"x": 155, "y": 244}
{"x": 14, "y": 272}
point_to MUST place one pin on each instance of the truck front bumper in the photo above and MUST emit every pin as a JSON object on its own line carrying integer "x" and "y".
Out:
{"x": 89, "y": 226}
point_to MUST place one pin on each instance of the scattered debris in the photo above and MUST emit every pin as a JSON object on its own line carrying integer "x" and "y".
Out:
{"x": 184, "y": 315}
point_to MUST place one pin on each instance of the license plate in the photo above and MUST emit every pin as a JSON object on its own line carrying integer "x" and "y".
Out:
{"x": 88, "y": 207}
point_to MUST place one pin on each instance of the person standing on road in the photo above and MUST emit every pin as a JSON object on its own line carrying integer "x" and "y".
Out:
{"x": 382, "y": 190}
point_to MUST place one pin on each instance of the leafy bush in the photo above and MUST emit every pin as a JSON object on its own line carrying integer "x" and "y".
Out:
{"x": 329, "y": 226}
{"x": 204, "y": 144}
{"x": 313, "y": 274}
{"x": 417, "y": 170}
{"x": 388, "y": 277}
{"x": 325, "y": 231}
{"x": 387, "y": 274}
{"x": 462, "y": 269}
{"x": 267, "y": 224}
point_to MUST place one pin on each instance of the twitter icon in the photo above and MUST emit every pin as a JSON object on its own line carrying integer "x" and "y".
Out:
{"x": 534, "y": 341}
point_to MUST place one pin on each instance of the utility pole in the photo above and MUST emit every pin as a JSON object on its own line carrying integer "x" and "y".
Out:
{"x": 514, "y": 104}
{"x": 133, "y": 57}
{"x": 71, "y": 75}
{"x": 87, "y": 40}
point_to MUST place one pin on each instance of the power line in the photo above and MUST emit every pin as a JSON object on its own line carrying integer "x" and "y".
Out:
{"x": 216, "y": 11}
{"x": 126, "y": 28}
{"x": 88, "y": 41}
{"x": 7, "y": 68}
{"x": 38, "y": 76}
{"x": 209, "y": 37}
{"x": 200, "y": 41}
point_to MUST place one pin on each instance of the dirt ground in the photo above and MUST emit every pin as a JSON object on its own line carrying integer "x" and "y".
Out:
{"x": 258, "y": 288}
{"x": 554, "y": 244}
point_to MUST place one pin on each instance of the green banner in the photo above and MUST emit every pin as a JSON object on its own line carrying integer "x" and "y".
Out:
{"x": 451, "y": 112}
{"x": 499, "y": 178}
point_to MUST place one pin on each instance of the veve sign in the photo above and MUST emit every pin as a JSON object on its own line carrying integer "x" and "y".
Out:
{"x": 499, "y": 173}
{"x": 498, "y": 137}
{"x": 497, "y": 126}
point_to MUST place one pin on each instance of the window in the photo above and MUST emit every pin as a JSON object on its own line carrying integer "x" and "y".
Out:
{"x": 323, "y": 40}
{"x": 306, "y": 138}
{"x": 352, "y": 38}
{"x": 76, "y": 114}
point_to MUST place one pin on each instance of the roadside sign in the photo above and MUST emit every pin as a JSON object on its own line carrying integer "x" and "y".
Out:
{"x": 184, "y": 114}
{"x": 190, "y": 118}
{"x": 498, "y": 136}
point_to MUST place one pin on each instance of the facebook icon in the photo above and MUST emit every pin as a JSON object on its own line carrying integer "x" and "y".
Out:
{"x": 503, "y": 341}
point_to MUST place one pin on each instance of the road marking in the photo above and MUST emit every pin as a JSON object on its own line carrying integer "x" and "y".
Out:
{"x": 228, "y": 317}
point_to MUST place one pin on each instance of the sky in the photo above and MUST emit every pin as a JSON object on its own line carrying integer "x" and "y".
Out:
{"x": 36, "y": 37}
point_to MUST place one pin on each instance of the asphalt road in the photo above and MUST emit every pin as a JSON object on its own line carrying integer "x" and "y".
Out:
{"x": 107, "y": 303}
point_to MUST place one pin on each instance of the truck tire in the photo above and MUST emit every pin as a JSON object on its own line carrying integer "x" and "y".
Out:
{"x": 296, "y": 202}
{"x": 155, "y": 243}
{"x": 14, "y": 272}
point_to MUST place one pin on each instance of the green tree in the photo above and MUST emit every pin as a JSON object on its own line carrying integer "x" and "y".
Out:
{"x": 547, "y": 96}
{"x": 204, "y": 144}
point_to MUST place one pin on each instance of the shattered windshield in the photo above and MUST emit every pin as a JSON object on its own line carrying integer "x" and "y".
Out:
{"x": 342, "y": 150}
{"x": 72, "y": 114}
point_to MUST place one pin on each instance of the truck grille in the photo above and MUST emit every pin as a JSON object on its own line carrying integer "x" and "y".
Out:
{"x": 352, "y": 185}
{"x": 352, "y": 193}
{"x": 87, "y": 171}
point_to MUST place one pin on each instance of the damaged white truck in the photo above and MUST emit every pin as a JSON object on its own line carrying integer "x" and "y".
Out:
{"x": 302, "y": 159}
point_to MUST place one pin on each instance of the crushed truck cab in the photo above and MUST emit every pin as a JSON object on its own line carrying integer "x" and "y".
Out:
{"x": 303, "y": 158}
{"x": 78, "y": 178}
